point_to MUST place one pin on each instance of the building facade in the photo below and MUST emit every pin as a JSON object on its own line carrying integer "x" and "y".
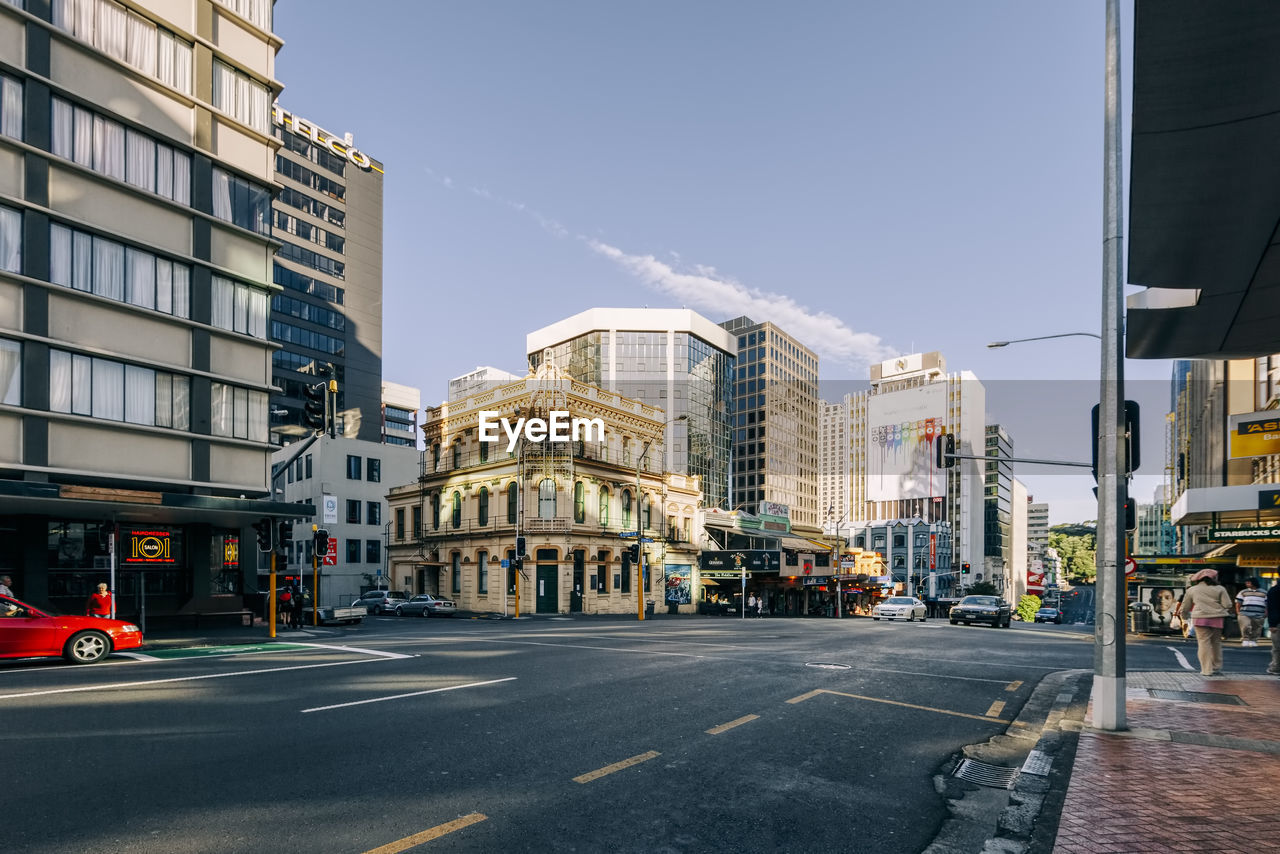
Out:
{"x": 401, "y": 406}
{"x": 481, "y": 379}
{"x": 136, "y": 173}
{"x": 998, "y": 508}
{"x": 775, "y": 389}
{"x": 673, "y": 359}
{"x": 327, "y": 315}
{"x": 479, "y": 495}
{"x": 834, "y": 463}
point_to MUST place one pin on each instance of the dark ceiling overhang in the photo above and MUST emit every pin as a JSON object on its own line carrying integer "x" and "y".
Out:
{"x": 1204, "y": 198}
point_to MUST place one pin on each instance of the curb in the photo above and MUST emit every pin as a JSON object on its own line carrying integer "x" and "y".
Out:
{"x": 1041, "y": 743}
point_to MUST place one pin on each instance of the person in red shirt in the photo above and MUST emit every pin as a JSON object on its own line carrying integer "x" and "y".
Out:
{"x": 99, "y": 604}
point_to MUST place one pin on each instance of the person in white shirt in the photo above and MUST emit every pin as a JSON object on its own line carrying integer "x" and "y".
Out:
{"x": 5, "y": 589}
{"x": 1251, "y": 609}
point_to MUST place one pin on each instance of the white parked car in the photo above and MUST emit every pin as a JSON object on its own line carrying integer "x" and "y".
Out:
{"x": 905, "y": 607}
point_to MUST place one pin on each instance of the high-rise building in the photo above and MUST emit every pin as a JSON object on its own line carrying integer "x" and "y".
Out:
{"x": 674, "y": 359}
{"x": 400, "y": 407}
{"x": 1155, "y": 534}
{"x": 775, "y": 388}
{"x": 328, "y": 315}
{"x": 483, "y": 378}
{"x": 833, "y": 463}
{"x": 1037, "y": 526}
{"x": 998, "y": 506}
{"x": 136, "y": 172}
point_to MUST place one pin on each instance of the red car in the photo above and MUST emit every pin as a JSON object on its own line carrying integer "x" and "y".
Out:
{"x": 26, "y": 632}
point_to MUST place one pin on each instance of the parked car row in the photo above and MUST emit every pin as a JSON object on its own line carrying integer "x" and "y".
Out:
{"x": 378, "y": 602}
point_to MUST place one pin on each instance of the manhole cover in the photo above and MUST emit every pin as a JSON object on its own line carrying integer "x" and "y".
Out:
{"x": 825, "y": 665}
{"x": 1196, "y": 697}
{"x": 995, "y": 776}
{"x": 1038, "y": 763}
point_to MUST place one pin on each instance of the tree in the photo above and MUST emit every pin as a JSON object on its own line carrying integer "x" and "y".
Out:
{"x": 1076, "y": 551}
{"x": 1027, "y": 607}
{"x": 982, "y": 588}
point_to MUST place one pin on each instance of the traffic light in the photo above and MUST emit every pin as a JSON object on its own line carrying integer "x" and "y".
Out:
{"x": 314, "y": 410}
{"x": 321, "y": 537}
{"x": 633, "y": 551}
{"x": 286, "y": 535}
{"x": 1133, "y": 434}
{"x": 520, "y": 545}
{"x": 945, "y": 445}
{"x": 1130, "y": 515}
{"x": 263, "y": 527}
{"x": 964, "y": 569}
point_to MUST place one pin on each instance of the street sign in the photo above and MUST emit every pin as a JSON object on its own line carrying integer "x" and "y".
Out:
{"x": 331, "y": 557}
{"x": 506, "y": 563}
{"x": 628, "y": 534}
{"x": 1130, "y": 566}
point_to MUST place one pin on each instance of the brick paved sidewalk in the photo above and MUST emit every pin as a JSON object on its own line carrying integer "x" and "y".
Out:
{"x": 1198, "y": 770}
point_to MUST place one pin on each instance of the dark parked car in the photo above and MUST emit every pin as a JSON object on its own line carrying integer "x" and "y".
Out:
{"x": 981, "y": 609}
{"x": 1048, "y": 615}
{"x": 426, "y": 605}
{"x": 380, "y": 601}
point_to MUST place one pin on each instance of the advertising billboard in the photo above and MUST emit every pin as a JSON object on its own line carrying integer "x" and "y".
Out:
{"x": 901, "y": 428}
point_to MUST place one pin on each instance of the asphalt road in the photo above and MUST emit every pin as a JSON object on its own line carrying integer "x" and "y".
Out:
{"x": 592, "y": 734}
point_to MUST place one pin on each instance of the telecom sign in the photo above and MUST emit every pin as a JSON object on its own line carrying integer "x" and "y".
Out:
{"x": 331, "y": 556}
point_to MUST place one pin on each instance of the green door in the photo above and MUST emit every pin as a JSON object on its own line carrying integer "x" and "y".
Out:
{"x": 548, "y": 582}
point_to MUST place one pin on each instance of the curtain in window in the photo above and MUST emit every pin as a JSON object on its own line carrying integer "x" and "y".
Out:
{"x": 259, "y": 117}
{"x": 164, "y": 286}
{"x": 63, "y": 129}
{"x": 220, "y": 411}
{"x": 240, "y": 417}
{"x": 259, "y": 307}
{"x": 181, "y": 403}
{"x": 85, "y": 11}
{"x": 181, "y": 178}
{"x": 82, "y": 261}
{"x": 10, "y": 240}
{"x": 10, "y": 375}
{"x": 164, "y": 400}
{"x": 547, "y": 499}
{"x": 140, "y": 170}
{"x": 64, "y": 15}
{"x": 224, "y": 87}
{"x": 139, "y": 395}
{"x": 108, "y": 147}
{"x": 59, "y": 381}
{"x": 141, "y": 51}
{"x": 60, "y": 255}
{"x": 164, "y": 171}
{"x": 108, "y": 390}
{"x": 108, "y": 269}
{"x": 241, "y": 311}
{"x": 221, "y": 193}
{"x": 222, "y": 312}
{"x": 82, "y": 385}
{"x": 258, "y": 417}
{"x": 181, "y": 79}
{"x": 83, "y": 139}
{"x": 181, "y": 290}
{"x": 112, "y": 29}
{"x": 140, "y": 278}
{"x": 10, "y": 107}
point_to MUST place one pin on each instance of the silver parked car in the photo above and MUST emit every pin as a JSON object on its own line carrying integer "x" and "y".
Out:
{"x": 380, "y": 602}
{"x": 426, "y": 605}
{"x": 899, "y": 607}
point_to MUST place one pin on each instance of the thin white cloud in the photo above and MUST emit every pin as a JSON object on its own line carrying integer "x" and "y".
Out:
{"x": 706, "y": 290}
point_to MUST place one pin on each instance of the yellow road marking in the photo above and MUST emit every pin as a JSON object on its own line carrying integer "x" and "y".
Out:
{"x": 996, "y": 708}
{"x": 716, "y": 730}
{"x": 1014, "y": 686}
{"x": 803, "y": 697}
{"x": 428, "y": 835}
{"x": 617, "y": 766}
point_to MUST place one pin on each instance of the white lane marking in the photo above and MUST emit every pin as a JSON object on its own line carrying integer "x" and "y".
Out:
{"x": 358, "y": 649}
{"x": 138, "y": 656}
{"x": 1186, "y": 665}
{"x": 120, "y": 685}
{"x": 403, "y": 696}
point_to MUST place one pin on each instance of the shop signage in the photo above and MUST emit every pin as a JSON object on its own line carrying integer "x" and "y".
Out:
{"x": 1253, "y": 434}
{"x": 148, "y": 547}
{"x": 1262, "y": 560}
{"x": 712, "y": 564}
{"x": 815, "y": 580}
{"x": 1268, "y": 499}
{"x": 1221, "y": 535}
{"x": 302, "y": 127}
{"x": 933, "y": 551}
{"x": 772, "y": 508}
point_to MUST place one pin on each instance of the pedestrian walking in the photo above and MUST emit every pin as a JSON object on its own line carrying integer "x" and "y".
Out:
{"x": 6, "y": 586}
{"x": 760, "y": 606}
{"x": 1273, "y": 620}
{"x": 751, "y": 604}
{"x": 295, "y": 615}
{"x": 99, "y": 604}
{"x": 1251, "y": 609}
{"x": 286, "y": 606}
{"x": 1207, "y": 605}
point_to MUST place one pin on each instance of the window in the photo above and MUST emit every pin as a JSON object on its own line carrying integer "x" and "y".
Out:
{"x": 457, "y": 510}
{"x": 353, "y": 511}
{"x": 237, "y": 307}
{"x": 435, "y": 457}
{"x": 399, "y": 523}
{"x": 646, "y": 510}
{"x": 241, "y": 97}
{"x": 435, "y": 511}
{"x": 482, "y": 506}
{"x": 547, "y": 499}
{"x": 10, "y": 240}
{"x": 579, "y": 502}
{"x": 113, "y": 391}
{"x": 372, "y": 551}
{"x": 109, "y": 148}
{"x": 417, "y": 522}
{"x": 353, "y": 551}
{"x": 482, "y": 573}
{"x": 456, "y": 572}
{"x": 484, "y": 452}
{"x": 93, "y": 264}
{"x": 238, "y": 413}
{"x": 241, "y": 202}
{"x": 373, "y": 513}
{"x": 373, "y": 470}
{"x": 256, "y": 12}
{"x": 602, "y": 572}
{"x": 308, "y": 467}
{"x": 457, "y": 455}
{"x": 604, "y": 506}
{"x": 10, "y": 372}
{"x": 513, "y": 504}
{"x": 353, "y": 467}
{"x": 128, "y": 37}
{"x": 10, "y": 107}
{"x": 626, "y": 508}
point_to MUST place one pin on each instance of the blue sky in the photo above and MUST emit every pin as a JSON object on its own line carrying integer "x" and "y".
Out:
{"x": 877, "y": 178}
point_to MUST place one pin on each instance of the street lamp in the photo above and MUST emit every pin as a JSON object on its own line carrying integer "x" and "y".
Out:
{"x": 995, "y": 344}
{"x": 640, "y": 591}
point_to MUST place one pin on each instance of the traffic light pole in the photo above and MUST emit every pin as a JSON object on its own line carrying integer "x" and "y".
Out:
{"x": 271, "y": 596}
{"x": 315, "y": 585}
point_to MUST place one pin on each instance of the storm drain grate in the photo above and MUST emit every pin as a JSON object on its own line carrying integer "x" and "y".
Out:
{"x": 995, "y": 776}
{"x": 1038, "y": 762}
{"x": 827, "y": 665}
{"x": 1196, "y": 697}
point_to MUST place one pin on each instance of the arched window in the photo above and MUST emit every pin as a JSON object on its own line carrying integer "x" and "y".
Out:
{"x": 646, "y": 510}
{"x": 435, "y": 511}
{"x": 513, "y": 503}
{"x": 457, "y": 509}
{"x": 626, "y": 508}
{"x": 482, "y": 509}
{"x": 604, "y": 506}
{"x": 435, "y": 457}
{"x": 547, "y": 499}
{"x": 579, "y": 502}
{"x": 457, "y": 455}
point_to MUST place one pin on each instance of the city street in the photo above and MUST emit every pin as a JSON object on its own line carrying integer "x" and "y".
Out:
{"x": 561, "y": 734}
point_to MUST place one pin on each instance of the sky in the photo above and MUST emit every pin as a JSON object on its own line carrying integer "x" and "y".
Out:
{"x": 876, "y": 178}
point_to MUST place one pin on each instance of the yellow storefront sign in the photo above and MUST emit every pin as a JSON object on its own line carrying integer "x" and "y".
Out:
{"x": 1255, "y": 434}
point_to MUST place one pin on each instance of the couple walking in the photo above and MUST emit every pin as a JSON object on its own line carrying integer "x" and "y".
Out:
{"x": 1207, "y": 605}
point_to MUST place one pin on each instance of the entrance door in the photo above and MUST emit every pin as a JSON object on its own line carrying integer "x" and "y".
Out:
{"x": 548, "y": 582}
{"x": 575, "y": 593}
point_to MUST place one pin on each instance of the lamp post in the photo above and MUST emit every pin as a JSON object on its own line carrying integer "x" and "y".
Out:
{"x": 640, "y": 591}
{"x": 995, "y": 344}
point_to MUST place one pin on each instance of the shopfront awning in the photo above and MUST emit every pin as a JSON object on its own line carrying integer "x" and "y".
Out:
{"x": 1222, "y": 505}
{"x": 799, "y": 544}
{"x": 129, "y": 506}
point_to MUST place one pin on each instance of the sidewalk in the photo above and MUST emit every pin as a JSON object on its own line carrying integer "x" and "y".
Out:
{"x": 1198, "y": 769}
